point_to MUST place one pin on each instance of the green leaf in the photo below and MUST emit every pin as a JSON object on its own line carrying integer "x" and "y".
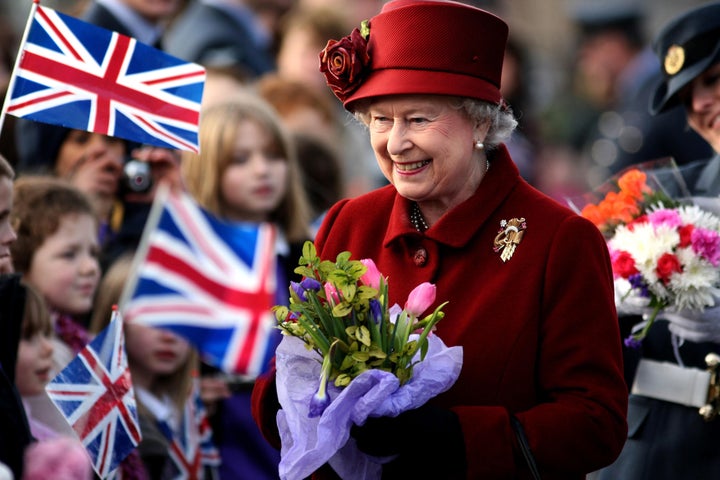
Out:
{"x": 347, "y": 362}
{"x": 360, "y": 356}
{"x": 343, "y": 380}
{"x": 363, "y": 335}
{"x": 309, "y": 253}
{"x": 348, "y": 292}
{"x": 305, "y": 271}
{"x": 342, "y": 309}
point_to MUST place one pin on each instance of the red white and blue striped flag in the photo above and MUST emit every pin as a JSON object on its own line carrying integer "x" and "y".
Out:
{"x": 81, "y": 76}
{"x": 210, "y": 281}
{"x": 192, "y": 452}
{"x": 95, "y": 395}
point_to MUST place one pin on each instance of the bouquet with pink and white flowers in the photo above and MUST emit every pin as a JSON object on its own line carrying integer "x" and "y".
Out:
{"x": 666, "y": 261}
{"x": 348, "y": 354}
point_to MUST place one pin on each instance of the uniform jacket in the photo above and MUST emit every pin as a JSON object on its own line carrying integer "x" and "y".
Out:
{"x": 539, "y": 332}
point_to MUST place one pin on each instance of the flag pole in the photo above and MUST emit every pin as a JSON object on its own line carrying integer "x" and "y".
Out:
{"x": 162, "y": 194}
{"x": 18, "y": 58}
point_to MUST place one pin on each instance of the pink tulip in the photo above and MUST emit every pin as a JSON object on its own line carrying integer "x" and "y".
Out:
{"x": 372, "y": 276}
{"x": 331, "y": 294}
{"x": 420, "y": 299}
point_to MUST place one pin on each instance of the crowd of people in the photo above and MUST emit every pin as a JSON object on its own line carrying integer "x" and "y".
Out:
{"x": 417, "y": 157}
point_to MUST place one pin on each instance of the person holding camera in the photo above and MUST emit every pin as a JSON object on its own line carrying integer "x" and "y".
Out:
{"x": 119, "y": 176}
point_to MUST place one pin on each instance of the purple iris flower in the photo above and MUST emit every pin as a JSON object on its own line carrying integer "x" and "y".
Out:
{"x": 375, "y": 310}
{"x": 304, "y": 286}
{"x": 299, "y": 290}
{"x": 318, "y": 403}
{"x": 311, "y": 284}
{"x": 637, "y": 282}
{"x": 632, "y": 342}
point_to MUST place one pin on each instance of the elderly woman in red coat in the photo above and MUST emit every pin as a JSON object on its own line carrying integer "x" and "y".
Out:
{"x": 529, "y": 284}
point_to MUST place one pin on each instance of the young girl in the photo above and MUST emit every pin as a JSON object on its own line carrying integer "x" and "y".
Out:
{"x": 176, "y": 439}
{"x": 57, "y": 253}
{"x": 247, "y": 171}
{"x": 34, "y": 357}
{"x": 55, "y": 454}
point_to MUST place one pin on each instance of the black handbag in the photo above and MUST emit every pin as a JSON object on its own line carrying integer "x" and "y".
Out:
{"x": 525, "y": 447}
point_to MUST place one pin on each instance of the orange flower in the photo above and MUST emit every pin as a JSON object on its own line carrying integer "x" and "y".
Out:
{"x": 634, "y": 183}
{"x": 622, "y": 206}
{"x": 593, "y": 213}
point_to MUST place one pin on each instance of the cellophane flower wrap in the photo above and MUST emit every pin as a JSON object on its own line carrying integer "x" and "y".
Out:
{"x": 665, "y": 253}
{"x": 347, "y": 355}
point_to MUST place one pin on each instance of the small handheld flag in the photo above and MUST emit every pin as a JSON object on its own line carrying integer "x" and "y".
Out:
{"x": 210, "y": 281}
{"x": 95, "y": 395}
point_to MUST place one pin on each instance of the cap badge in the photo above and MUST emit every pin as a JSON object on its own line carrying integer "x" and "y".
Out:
{"x": 674, "y": 59}
{"x": 509, "y": 237}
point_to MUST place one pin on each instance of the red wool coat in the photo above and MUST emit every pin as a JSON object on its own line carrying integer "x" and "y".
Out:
{"x": 539, "y": 332}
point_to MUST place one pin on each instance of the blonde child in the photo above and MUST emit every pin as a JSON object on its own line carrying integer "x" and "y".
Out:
{"x": 247, "y": 171}
{"x": 176, "y": 435}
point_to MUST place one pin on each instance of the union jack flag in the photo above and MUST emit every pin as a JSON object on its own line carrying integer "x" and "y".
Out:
{"x": 95, "y": 395}
{"x": 210, "y": 281}
{"x": 81, "y": 76}
{"x": 192, "y": 453}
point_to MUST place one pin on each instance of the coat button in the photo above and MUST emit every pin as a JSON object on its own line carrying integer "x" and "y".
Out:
{"x": 420, "y": 257}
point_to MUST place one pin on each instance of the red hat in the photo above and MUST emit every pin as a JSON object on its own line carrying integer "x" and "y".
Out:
{"x": 419, "y": 47}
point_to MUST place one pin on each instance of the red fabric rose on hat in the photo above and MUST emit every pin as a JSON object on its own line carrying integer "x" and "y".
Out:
{"x": 344, "y": 63}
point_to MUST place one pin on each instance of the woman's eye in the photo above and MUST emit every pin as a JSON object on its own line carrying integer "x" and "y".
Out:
{"x": 418, "y": 120}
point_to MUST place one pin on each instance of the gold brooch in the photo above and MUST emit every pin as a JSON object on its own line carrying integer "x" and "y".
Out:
{"x": 674, "y": 59}
{"x": 509, "y": 236}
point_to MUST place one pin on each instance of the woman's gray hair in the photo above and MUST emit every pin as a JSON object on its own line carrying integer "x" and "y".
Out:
{"x": 500, "y": 117}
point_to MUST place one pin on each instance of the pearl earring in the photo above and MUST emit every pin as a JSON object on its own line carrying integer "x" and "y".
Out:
{"x": 479, "y": 145}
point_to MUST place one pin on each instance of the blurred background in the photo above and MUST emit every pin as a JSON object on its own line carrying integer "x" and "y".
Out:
{"x": 578, "y": 75}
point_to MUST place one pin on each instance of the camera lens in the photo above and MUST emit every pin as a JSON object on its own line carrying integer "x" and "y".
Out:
{"x": 137, "y": 176}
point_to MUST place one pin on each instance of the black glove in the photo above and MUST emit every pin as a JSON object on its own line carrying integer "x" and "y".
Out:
{"x": 428, "y": 442}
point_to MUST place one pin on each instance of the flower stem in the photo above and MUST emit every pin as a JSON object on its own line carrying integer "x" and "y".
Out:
{"x": 643, "y": 333}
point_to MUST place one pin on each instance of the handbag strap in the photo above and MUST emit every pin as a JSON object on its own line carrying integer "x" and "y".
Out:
{"x": 525, "y": 447}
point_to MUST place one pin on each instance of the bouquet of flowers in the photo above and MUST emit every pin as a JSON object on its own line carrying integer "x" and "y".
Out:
{"x": 347, "y": 354}
{"x": 667, "y": 259}
{"x": 664, "y": 255}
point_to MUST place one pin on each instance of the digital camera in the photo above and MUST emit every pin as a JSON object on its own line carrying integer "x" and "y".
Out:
{"x": 137, "y": 177}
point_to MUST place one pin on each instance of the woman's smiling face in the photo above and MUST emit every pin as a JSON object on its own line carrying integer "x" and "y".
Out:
{"x": 702, "y": 104}
{"x": 424, "y": 146}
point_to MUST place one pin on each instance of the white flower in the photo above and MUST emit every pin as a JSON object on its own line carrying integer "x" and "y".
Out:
{"x": 692, "y": 214}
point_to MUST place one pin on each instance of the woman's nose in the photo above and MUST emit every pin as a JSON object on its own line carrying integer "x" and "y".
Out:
{"x": 398, "y": 140}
